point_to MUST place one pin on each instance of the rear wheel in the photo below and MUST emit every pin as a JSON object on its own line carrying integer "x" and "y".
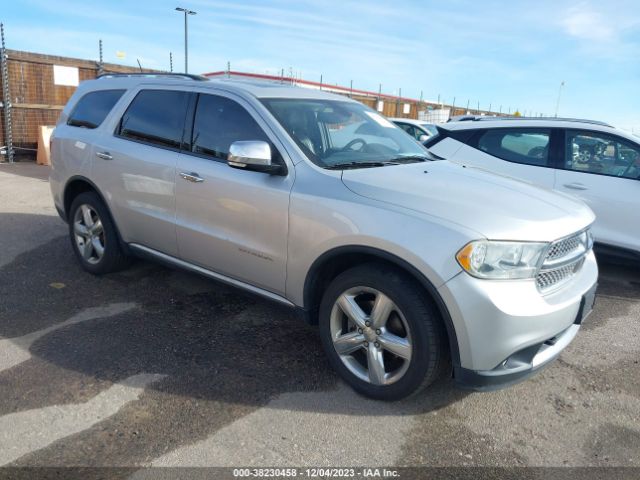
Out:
{"x": 93, "y": 235}
{"x": 380, "y": 332}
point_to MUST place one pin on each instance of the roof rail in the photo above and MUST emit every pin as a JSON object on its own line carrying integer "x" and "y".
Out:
{"x": 480, "y": 118}
{"x": 198, "y": 78}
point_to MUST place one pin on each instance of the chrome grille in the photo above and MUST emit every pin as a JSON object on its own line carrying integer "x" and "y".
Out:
{"x": 563, "y": 260}
{"x": 563, "y": 248}
{"x": 557, "y": 276}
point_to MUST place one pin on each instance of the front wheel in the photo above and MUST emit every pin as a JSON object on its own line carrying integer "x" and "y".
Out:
{"x": 380, "y": 333}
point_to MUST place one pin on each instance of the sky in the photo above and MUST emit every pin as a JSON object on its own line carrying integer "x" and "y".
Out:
{"x": 505, "y": 54}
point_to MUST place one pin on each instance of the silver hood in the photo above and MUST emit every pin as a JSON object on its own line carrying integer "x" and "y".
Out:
{"x": 497, "y": 207}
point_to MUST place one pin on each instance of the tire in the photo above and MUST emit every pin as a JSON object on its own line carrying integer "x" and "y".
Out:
{"x": 94, "y": 237}
{"x": 409, "y": 349}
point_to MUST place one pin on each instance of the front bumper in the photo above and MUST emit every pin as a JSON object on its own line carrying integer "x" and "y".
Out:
{"x": 507, "y": 330}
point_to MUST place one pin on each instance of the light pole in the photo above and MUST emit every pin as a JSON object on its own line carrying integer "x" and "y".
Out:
{"x": 186, "y": 48}
{"x": 559, "y": 93}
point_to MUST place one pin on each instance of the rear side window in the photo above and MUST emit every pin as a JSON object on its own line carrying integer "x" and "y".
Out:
{"x": 218, "y": 123}
{"x": 528, "y": 146}
{"x": 93, "y": 108}
{"x": 156, "y": 117}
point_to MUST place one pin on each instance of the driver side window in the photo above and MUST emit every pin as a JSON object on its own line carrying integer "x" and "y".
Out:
{"x": 594, "y": 152}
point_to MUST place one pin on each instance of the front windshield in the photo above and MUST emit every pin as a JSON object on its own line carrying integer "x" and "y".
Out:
{"x": 334, "y": 133}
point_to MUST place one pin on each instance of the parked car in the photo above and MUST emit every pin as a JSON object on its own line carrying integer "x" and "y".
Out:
{"x": 315, "y": 201}
{"x": 589, "y": 160}
{"x": 418, "y": 129}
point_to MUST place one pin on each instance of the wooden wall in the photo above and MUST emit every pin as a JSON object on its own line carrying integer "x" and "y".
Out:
{"x": 35, "y": 99}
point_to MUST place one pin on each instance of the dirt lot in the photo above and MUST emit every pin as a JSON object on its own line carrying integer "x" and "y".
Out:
{"x": 154, "y": 366}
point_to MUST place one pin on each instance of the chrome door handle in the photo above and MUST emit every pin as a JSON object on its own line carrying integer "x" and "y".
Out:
{"x": 192, "y": 177}
{"x": 104, "y": 155}
{"x": 575, "y": 186}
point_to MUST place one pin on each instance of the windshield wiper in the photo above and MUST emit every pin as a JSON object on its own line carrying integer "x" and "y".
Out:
{"x": 409, "y": 159}
{"x": 345, "y": 165}
{"x": 381, "y": 163}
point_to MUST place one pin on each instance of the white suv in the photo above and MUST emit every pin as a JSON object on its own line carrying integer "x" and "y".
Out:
{"x": 319, "y": 203}
{"x": 590, "y": 160}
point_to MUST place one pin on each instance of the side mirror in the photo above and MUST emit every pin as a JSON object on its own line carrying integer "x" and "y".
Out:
{"x": 423, "y": 138}
{"x": 254, "y": 155}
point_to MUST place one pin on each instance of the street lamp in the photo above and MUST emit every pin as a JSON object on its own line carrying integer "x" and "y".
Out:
{"x": 559, "y": 93}
{"x": 186, "y": 51}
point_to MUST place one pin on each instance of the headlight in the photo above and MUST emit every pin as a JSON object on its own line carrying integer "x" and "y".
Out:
{"x": 501, "y": 260}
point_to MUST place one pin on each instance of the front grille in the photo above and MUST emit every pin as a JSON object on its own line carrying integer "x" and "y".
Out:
{"x": 550, "y": 278}
{"x": 563, "y": 247}
{"x": 563, "y": 260}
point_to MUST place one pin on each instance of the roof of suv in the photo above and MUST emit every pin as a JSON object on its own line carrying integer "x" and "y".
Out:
{"x": 256, "y": 88}
{"x": 475, "y": 123}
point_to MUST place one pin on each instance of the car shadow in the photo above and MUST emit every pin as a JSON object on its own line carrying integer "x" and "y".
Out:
{"x": 212, "y": 341}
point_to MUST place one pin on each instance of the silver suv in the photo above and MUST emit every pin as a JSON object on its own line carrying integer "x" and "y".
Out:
{"x": 409, "y": 264}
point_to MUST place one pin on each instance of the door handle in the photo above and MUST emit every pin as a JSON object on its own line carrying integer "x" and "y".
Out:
{"x": 192, "y": 177}
{"x": 575, "y": 186}
{"x": 104, "y": 155}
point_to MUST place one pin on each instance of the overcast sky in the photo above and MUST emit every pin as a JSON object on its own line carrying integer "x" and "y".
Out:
{"x": 505, "y": 54}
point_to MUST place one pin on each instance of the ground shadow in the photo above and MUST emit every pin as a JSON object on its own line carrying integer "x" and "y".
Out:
{"x": 214, "y": 342}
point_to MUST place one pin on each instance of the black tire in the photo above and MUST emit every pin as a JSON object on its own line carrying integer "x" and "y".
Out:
{"x": 430, "y": 354}
{"x": 113, "y": 259}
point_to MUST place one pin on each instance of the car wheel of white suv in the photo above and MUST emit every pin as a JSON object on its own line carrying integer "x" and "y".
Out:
{"x": 380, "y": 332}
{"x": 93, "y": 234}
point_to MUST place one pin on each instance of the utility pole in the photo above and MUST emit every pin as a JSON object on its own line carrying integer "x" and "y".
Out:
{"x": 186, "y": 31}
{"x": 558, "y": 101}
{"x": 171, "y": 62}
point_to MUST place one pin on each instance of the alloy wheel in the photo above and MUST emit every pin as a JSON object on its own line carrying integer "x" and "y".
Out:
{"x": 89, "y": 233}
{"x": 371, "y": 335}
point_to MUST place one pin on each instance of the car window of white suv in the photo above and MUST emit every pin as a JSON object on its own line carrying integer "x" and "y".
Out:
{"x": 528, "y": 146}
{"x": 593, "y": 152}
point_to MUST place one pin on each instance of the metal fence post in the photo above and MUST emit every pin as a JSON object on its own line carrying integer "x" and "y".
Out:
{"x": 6, "y": 97}
{"x": 100, "y": 63}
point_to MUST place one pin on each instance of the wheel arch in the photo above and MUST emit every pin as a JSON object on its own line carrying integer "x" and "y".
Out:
{"x": 335, "y": 261}
{"x": 74, "y": 187}
{"x": 79, "y": 184}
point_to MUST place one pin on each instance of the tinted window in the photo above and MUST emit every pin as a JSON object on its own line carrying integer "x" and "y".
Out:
{"x": 93, "y": 108}
{"x": 527, "y": 146}
{"x": 157, "y": 117}
{"x": 593, "y": 152}
{"x": 218, "y": 123}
